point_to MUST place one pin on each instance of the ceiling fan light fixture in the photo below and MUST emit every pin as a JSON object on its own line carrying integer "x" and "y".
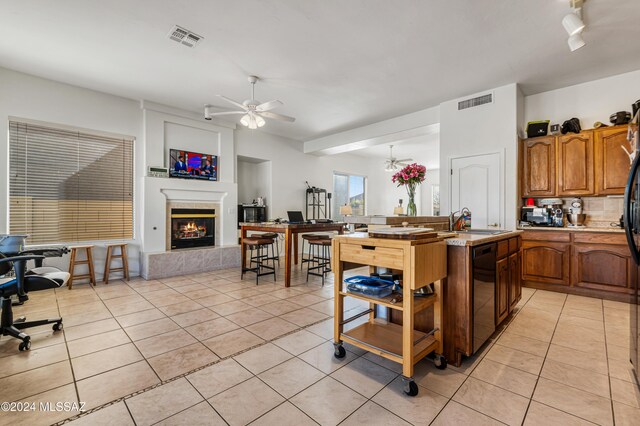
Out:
{"x": 576, "y": 42}
{"x": 245, "y": 120}
{"x": 260, "y": 121}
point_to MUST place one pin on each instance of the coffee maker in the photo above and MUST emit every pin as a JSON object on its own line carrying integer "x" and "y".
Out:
{"x": 554, "y": 206}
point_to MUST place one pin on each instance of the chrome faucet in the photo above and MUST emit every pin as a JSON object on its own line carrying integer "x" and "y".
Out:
{"x": 453, "y": 222}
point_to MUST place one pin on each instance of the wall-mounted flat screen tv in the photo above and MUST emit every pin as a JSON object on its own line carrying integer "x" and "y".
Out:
{"x": 193, "y": 165}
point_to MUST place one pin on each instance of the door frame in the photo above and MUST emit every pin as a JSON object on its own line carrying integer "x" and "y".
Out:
{"x": 501, "y": 178}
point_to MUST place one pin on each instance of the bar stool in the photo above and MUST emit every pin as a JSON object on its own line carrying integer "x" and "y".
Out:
{"x": 320, "y": 262}
{"x": 88, "y": 261}
{"x": 260, "y": 258}
{"x": 111, "y": 256}
{"x": 275, "y": 254}
{"x": 308, "y": 238}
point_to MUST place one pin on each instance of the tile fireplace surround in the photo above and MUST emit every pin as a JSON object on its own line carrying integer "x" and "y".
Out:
{"x": 173, "y": 263}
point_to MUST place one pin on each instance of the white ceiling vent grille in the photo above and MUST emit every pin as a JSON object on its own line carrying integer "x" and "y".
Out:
{"x": 474, "y": 102}
{"x": 184, "y": 36}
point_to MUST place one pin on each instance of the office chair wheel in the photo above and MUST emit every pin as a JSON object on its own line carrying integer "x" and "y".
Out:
{"x": 440, "y": 361}
{"x": 339, "y": 352}
{"x": 57, "y": 326}
{"x": 25, "y": 345}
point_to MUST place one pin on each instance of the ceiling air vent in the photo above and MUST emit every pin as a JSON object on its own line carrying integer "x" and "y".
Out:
{"x": 184, "y": 36}
{"x": 474, "y": 102}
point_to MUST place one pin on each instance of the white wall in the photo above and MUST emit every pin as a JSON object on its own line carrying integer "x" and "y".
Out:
{"x": 26, "y": 96}
{"x": 590, "y": 102}
{"x": 290, "y": 168}
{"x": 254, "y": 180}
{"x": 484, "y": 129}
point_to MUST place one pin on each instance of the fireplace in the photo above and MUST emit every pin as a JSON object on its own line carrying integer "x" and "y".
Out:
{"x": 192, "y": 228}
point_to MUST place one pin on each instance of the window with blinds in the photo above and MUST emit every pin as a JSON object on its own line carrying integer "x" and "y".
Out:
{"x": 69, "y": 186}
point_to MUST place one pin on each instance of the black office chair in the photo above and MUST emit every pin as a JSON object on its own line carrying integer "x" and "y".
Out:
{"x": 20, "y": 285}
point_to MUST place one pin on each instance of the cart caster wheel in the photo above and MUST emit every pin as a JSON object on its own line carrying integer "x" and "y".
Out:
{"x": 25, "y": 345}
{"x": 340, "y": 352}
{"x": 410, "y": 388}
{"x": 440, "y": 362}
{"x": 57, "y": 326}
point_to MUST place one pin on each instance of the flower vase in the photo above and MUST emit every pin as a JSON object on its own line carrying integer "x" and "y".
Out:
{"x": 411, "y": 205}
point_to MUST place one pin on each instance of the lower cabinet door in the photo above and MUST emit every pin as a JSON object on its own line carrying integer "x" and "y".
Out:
{"x": 515, "y": 285}
{"x": 502, "y": 290}
{"x": 546, "y": 262}
{"x": 602, "y": 267}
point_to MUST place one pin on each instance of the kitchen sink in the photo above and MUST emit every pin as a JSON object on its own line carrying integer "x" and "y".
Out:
{"x": 483, "y": 231}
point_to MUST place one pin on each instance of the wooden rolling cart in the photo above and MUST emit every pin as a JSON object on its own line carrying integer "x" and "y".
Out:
{"x": 421, "y": 261}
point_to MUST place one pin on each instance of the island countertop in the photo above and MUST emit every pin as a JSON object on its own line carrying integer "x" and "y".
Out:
{"x": 611, "y": 229}
{"x": 468, "y": 239}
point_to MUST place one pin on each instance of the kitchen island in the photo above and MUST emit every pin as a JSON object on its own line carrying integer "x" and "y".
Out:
{"x": 495, "y": 285}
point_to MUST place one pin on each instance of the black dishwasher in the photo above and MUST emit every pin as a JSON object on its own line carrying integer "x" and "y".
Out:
{"x": 484, "y": 293}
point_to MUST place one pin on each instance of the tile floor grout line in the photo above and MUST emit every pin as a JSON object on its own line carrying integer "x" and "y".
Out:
{"x": 468, "y": 376}
{"x": 544, "y": 359}
{"x": 540, "y": 376}
{"x": 177, "y": 377}
{"x": 606, "y": 354}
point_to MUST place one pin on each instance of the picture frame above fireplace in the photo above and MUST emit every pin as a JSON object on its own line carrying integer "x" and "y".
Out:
{"x": 193, "y": 165}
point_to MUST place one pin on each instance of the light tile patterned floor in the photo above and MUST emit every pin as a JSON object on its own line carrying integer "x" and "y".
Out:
{"x": 212, "y": 349}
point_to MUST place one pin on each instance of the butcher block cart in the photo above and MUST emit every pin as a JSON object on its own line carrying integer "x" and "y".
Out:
{"x": 422, "y": 260}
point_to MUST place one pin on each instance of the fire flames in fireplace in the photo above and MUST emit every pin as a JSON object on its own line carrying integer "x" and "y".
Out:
{"x": 192, "y": 228}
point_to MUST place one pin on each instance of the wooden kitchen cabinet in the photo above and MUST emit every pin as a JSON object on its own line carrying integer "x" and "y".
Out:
{"x": 515, "y": 283}
{"x": 595, "y": 264}
{"x": 539, "y": 167}
{"x": 508, "y": 283}
{"x": 576, "y": 164}
{"x": 602, "y": 267}
{"x": 546, "y": 262}
{"x": 612, "y": 162}
{"x": 502, "y": 289}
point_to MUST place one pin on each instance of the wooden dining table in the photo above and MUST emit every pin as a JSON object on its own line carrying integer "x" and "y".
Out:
{"x": 290, "y": 231}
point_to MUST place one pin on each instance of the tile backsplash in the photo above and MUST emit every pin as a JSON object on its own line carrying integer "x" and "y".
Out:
{"x": 600, "y": 211}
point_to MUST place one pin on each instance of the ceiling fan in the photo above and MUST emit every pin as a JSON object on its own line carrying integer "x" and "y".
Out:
{"x": 392, "y": 163}
{"x": 254, "y": 112}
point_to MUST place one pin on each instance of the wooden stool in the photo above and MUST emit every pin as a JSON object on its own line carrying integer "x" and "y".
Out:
{"x": 111, "y": 256}
{"x": 320, "y": 258}
{"x": 73, "y": 262}
{"x": 260, "y": 259}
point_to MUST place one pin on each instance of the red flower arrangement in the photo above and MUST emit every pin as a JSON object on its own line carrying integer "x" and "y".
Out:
{"x": 410, "y": 176}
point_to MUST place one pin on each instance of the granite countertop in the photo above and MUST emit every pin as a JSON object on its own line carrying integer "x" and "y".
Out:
{"x": 612, "y": 229}
{"x": 463, "y": 239}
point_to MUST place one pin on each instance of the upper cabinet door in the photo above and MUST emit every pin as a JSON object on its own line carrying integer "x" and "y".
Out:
{"x": 575, "y": 164}
{"x": 539, "y": 163}
{"x": 612, "y": 162}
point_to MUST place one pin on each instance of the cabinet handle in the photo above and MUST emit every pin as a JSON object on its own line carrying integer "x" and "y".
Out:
{"x": 493, "y": 225}
{"x": 368, "y": 247}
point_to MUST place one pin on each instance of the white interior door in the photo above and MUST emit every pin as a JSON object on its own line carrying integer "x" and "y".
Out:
{"x": 476, "y": 184}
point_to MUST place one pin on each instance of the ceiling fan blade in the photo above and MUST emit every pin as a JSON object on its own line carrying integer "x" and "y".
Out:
{"x": 276, "y": 116}
{"x": 231, "y": 101}
{"x": 213, "y": 114}
{"x": 267, "y": 106}
{"x": 404, "y": 160}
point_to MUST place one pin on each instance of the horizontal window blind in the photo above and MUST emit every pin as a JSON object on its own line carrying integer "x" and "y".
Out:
{"x": 69, "y": 186}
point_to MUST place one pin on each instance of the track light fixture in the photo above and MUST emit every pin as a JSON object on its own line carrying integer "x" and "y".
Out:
{"x": 576, "y": 42}
{"x": 573, "y": 25}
